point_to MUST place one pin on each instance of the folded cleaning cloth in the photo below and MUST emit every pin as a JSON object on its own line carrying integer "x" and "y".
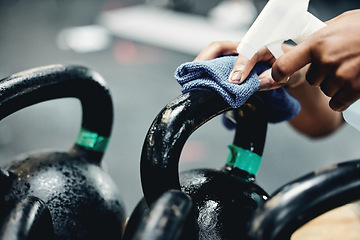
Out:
{"x": 214, "y": 74}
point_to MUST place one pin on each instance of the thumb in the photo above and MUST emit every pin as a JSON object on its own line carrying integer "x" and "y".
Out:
{"x": 241, "y": 69}
{"x": 243, "y": 66}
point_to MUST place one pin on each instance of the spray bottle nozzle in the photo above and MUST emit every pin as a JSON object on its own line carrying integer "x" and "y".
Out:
{"x": 280, "y": 20}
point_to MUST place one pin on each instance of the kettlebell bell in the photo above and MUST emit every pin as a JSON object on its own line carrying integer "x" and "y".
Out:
{"x": 305, "y": 198}
{"x": 225, "y": 198}
{"x": 83, "y": 201}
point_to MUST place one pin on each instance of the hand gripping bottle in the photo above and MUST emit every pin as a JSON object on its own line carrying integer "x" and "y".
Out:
{"x": 282, "y": 20}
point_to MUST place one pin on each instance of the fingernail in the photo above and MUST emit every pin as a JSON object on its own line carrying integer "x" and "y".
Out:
{"x": 235, "y": 77}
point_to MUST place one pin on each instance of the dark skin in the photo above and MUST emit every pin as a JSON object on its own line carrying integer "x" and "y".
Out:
{"x": 322, "y": 72}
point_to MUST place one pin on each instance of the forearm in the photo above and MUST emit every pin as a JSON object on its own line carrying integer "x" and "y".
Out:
{"x": 316, "y": 118}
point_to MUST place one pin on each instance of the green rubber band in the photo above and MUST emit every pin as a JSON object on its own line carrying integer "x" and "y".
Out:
{"x": 92, "y": 140}
{"x": 243, "y": 159}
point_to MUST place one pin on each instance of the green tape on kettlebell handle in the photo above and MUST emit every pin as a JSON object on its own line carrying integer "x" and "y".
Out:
{"x": 92, "y": 140}
{"x": 243, "y": 159}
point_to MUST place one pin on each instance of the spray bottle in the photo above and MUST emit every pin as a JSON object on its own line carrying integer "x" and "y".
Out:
{"x": 282, "y": 20}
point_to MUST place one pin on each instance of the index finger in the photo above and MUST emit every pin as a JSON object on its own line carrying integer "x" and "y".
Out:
{"x": 243, "y": 66}
{"x": 292, "y": 61}
{"x": 241, "y": 69}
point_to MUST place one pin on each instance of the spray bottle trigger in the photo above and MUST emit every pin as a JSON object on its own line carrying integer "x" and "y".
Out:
{"x": 275, "y": 48}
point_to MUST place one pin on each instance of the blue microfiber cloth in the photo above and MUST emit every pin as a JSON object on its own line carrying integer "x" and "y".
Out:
{"x": 214, "y": 74}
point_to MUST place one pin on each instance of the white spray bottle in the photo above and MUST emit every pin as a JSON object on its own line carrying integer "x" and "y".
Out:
{"x": 282, "y": 20}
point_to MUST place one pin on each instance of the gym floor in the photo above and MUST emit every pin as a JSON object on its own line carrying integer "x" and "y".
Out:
{"x": 140, "y": 77}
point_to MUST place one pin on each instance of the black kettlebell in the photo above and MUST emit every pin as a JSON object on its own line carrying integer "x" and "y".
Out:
{"x": 171, "y": 216}
{"x": 225, "y": 198}
{"x": 30, "y": 219}
{"x": 83, "y": 201}
{"x": 304, "y": 199}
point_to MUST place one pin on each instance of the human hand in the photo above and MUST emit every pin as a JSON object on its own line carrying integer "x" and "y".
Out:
{"x": 334, "y": 56}
{"x": 243, "y": 66}
{"x": 316, "y": 119}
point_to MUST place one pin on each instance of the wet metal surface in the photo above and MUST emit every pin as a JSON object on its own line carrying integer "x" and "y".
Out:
{"x": 140, "y": 77}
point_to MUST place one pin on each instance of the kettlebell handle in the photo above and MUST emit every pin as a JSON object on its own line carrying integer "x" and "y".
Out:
{"x": 29, "y": 219}
{"x": 304, "y": 199}
{"x": 58, "y": 81}
{"x": 178, "y": 209}
{"x": 167, "y": 136}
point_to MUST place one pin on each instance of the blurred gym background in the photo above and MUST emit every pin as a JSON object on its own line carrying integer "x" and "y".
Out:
{"x": 136, "y": 46}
